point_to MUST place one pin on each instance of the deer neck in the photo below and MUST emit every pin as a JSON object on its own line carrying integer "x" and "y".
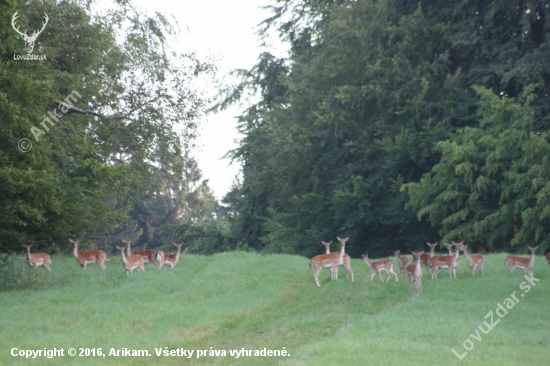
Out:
{"x": 456, "y": 255}
{"x": 124, "y": 257}
{"x": 177, "y": 255}
{"x": 75, "y": 251}
{"x": 432, "y": 251}
{"x": 130, "y": 253}
{"x": 369, "y": 263}
{"x": 417, "y": 260}
{"x": 342, "y": 252}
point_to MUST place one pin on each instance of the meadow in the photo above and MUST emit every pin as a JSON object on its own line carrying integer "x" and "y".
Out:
{"x": 235, "y": 300}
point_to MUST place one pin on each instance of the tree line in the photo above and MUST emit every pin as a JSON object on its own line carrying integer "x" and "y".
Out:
{"x": 98, "y": 128}
{"x": 391, "y": 122}
{"x": 395, "y": 123}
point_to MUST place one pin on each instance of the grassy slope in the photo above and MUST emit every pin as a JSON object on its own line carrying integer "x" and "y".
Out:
{"x": 234, "y": 300}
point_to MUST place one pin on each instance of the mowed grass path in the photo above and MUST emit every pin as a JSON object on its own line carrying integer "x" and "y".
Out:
{"x": 233, "y": 300}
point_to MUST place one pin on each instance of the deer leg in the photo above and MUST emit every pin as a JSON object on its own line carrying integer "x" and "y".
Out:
{"x": 316, "y": 276}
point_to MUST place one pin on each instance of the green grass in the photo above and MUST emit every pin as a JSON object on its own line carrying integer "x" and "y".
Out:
{"x": 233, "y": 300}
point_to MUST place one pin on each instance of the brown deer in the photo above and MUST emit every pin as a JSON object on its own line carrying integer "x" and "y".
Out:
{"x": 85, "y": 258}
{"x": 378, "y": 266}
{"x": 331, "y": 260}
{"x": 415, "y": 272}
{"x": 149, "y": 256}
{"x": 172, "y": 259}
{"x": 425, "y": 258}
{"x": 346, "y": 264}
{"x": 402, "y": 262}
{"x": 445, "y": 261}
{"x": 475, "y": 261}
{"x": 38, "y": 259}
{"x": 524, "y": 263}
{"x": 134, "y": 262}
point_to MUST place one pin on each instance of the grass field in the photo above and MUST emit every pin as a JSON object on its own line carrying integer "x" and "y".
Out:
{"x": 237, "y": 300}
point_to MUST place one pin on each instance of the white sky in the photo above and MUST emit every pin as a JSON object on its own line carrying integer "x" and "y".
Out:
{"x": 225, "y": 28}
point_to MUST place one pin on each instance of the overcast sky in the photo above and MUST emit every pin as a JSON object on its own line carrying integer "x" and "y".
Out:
{"x": 224, "y": 28}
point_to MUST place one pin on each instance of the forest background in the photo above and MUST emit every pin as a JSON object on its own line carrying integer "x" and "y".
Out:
{"x": 392, "y": 122}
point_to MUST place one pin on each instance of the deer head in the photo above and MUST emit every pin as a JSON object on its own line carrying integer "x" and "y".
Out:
{"x": 29, "y": 40}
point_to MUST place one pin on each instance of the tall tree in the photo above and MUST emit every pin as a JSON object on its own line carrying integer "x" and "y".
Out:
{"x": 108, "y": 103}
{"x": 357, "y": 109}
{"x": 492, "y": 184}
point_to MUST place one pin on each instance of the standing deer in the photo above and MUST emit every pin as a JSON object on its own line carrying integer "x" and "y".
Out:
{"x": 38, "y": 259}
{"x": 475, "y": 261}
{"x": 524, "y": 263}
{"x": 331, "y": 260}
{"x": 134, "y": 262}
{"x": 85, "y": 258}
{"x": 346, "y": 264}
{"x": 402, "y": 262}
{"x": 425, "y": 258}
{"x": 415, "y": 272}
{"x": 172, "y": 259}
{"x": 149, "y": 256}
{"x": 445, "y": 261}
{"x": 377, "y": 267}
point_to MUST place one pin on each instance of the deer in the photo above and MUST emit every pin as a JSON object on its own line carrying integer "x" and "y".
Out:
{"x": 445, "y": 261}
{"x": 171, "y": 259}
{"x": 131, "y": 263}
{"x": 347, "y": 260}
{"x": 524, "y": 263}
{"x": 29, "y": 40}
{"x": 331, "y": 260}
{"x": 414, "y": 272}
{"x": 402, "y": 262}
{"x": 378, "y": 266}
{"x": 85, "y": 258}
{"x": 425, "y": 258}
{"x": 149, "y": 256}
{"x": 475, "y": 261}
{"x": 38, "y": 259}
{"x": 548, "y": 259}
{"x": 450, "y": 249}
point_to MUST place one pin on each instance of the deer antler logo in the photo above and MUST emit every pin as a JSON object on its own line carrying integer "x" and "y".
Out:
{"x": 29, "y": 40}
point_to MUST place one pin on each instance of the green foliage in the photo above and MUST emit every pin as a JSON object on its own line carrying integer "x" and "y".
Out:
{"x": 364, "y": 104}
{"x": 490, "y": 185}
{"x": 124, "y": 140}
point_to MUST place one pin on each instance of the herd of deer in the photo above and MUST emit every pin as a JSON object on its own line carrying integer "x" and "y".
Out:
{"x": 134, "y": 260}
{"x": 332, "y": 260}
{"x": 413, "y": 271}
